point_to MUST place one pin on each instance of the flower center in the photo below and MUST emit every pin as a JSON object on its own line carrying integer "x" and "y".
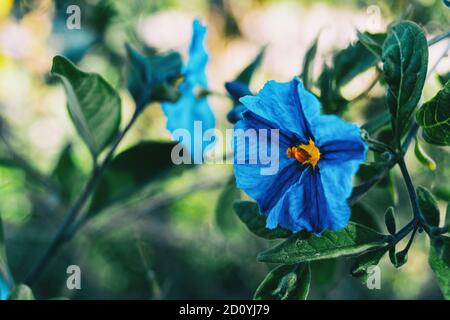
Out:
{"x": 305, "y": 153}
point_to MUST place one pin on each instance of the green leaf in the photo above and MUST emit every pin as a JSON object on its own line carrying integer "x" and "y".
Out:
{"x": 434, "y": 118}
{"x": 153, "y": 78}
{"x": 255, "y": 221}
{"x": 130, "y": 171}
{"x": 405, "y": 60}
{"x": 67, "y": 175}
{"x": 246, "y": 75}
{"x": 21, "y": 292}
{"x": 301, "y": 247}
{"x": 428, "y": 206}
{"x": 289, "y": 282}
{"x": 352, "y": 61}
{"x": 423, "y": 157}
{"x": 308, "y": 64}
{"x": 94, "y": 106}
{"x": 389, "y": 219}
{"x": 225, "y": 217}
{"x": 372, "y": 41}
{"x": 439, "y": 260}
{"x": 367, "y": 259}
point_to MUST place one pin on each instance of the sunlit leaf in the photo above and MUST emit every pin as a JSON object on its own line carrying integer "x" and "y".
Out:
{"x": 300, "y": 247}
{"x": 94, "y": 106}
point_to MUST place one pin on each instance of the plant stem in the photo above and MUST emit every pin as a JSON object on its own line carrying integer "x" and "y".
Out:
{"x": 411, "y": 191}
{"x": 73, "y": 212}
{"x": 439, "y": 37}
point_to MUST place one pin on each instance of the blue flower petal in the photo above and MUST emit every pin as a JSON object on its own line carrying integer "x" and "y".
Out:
{"x": 237, "y": 90}
{"x": 338, "y": 140}
{"x": 337, "y": 179}
{"x": 280, "y": 103}
{"x": 190, "y": 108}
{"x": 4, "y": 289}
{"x": 304, "y": 207}
{"x": 265, "y": 189}
{"x": 194, "y": 70}
{"x": 183, "y": 114}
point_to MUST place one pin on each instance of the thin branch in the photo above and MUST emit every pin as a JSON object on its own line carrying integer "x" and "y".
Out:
{"x": 73, "y": 212}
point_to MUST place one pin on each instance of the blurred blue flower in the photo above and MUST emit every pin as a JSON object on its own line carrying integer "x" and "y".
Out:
{"x": 319, "y": 155}
{"x": 236, "y": 90}
{"x": 192, "y": 105}
{"x": 4, "y": 289}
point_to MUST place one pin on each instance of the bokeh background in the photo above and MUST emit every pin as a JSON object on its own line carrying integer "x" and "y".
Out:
{"x": 167, "y": 242}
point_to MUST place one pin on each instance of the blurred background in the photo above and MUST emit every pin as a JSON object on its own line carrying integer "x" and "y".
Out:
{"x": 169, "y": 242}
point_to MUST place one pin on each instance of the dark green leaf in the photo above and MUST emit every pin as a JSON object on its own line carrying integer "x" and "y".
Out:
{"x": 428, "y": 206}
{"x": 363, "y": 215}
{"x": 246, "y": 75}
{"x": 289, "y": 282}
{"x": 444, "y": 78}
{"x": 21, "y": 292}
{"x": 225, "y": 217}
{"x": 367, "y": 259}
{"x": 67, "y": 175}
{"x": 376, "y": 123}
{"x": 439, "y": 261}
{"x": 401, "y": 258}
{"x": 130, "y": 171}
{"x": 352, "y": 61}
{"x": 372, "y": 41}
{"x": 255, "y": 221}
{"x": 447, "y": 216}
{"x": 330, "y": 96}
{"x": 153, "y": 78}
{"x": 94, "y": 106}
{"x": 301, "y": 247}
{"x": 325, "y": 272}
{"x": 434, "y": 118}
{"x": 423, "y": 157}
{"x": 389, "y": 219}
{"x": 308, "y": 64}
{"x": 405, "y": 60}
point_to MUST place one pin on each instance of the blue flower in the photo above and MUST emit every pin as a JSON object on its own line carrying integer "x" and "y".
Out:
{"x": 319, "y": 155}
{"x": 4, "y": 289}
{"x": 236, "y": 91}
{"x": 192, "y": 107}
